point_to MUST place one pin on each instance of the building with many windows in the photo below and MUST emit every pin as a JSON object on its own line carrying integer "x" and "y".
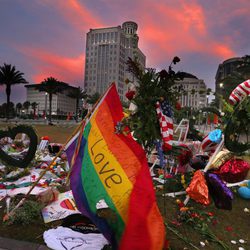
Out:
{"x": 224, "y": 70}
{"x": 107, "y": 51}
{"x": 62, "y": 104}
{"x": 194, "y": 92}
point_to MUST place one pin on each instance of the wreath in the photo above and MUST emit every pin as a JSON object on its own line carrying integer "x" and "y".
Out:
{"x": 29, "y": 154}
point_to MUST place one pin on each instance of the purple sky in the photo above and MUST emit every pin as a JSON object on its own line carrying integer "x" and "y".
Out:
{"x": 45, "y": 38}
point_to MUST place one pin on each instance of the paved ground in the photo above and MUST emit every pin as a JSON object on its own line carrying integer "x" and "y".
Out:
{"x": 10, "y": 244}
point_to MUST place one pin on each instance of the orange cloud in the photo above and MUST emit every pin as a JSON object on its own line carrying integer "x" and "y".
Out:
{"x": 223, "y": 51}
{"x": 46, "y": 64}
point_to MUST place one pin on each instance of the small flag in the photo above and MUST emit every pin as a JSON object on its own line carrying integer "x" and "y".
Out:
{"x": 164, "y": 113}
{"x": 240, "y": 92}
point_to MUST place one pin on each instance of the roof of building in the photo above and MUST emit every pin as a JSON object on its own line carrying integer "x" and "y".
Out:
{"x": 186, "y": 75}
{"x": 34, "y": 85}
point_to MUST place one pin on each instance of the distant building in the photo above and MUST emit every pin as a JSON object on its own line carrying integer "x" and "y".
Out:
{"x": 62, "y": 104}
{"x": 194, "y": 92}
{"x": 224, "y": 70}
{"x": 107, "y": 51}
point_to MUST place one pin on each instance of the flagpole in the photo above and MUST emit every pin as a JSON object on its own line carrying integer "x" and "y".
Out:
{"x": 81, "y": 126}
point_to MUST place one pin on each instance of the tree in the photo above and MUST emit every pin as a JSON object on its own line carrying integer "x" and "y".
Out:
{"x": 209, "y": 91}
{"x": 152, "y": 86}
{"x": 10, "y": 76}
{"x": 26, "y": 106}
{"x": 34, "y": 105}
{"x": 77, "y": 94}
{"x": 52, "y": 86}
{"x": 92, "y": 99}
{"x": 19, "y": 107}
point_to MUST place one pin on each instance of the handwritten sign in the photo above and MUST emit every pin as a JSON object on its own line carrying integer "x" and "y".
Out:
{"x": 60, "y": 208}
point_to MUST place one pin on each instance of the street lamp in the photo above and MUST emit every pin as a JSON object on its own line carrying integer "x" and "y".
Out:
{"x": 46, "y": 97}
{"x": 221, "y": 89}
{"x": 207, "y": 99}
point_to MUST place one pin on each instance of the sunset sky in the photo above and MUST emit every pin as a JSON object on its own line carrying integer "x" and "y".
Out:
{"x": 45, "y": 38}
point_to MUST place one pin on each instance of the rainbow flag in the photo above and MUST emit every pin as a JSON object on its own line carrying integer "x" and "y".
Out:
{"x": 111, "y": 167}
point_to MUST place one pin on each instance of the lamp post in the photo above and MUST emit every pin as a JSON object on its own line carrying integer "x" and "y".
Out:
{"x": 46, "y": 97}
{"x": 207, "y": 96}
{"x": 221, "y": 90}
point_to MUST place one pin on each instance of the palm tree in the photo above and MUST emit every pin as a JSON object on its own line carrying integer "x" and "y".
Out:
{"x": 19, "y": 107}
{"x": 10, "y": 76}
{"x": 77, "y": 94}
{"x": 26, "y": 106}
{"x": 51, "y": 86}
{"x": 34, "y": 105}
{"x": 209, "y": 91}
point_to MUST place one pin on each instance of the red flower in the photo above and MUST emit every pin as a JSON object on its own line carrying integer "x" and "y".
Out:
{"x": 166, "y": 244}
{"x": 229, "y": 229}
{"x": 130, "y": 94}
{"x": 178, "y": 106}
{"x": 46, "y": 138}
{"x": 181, "y": 204}
{"x": 194, "y": 215}
{"x": 210, "y": 214}
{"x": 175, "y": 222}
{"x": 214, "y": 222}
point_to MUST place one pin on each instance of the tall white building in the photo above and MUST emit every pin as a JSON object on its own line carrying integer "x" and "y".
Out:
{"x": 107, "y": 51}
{"x": 62, "y": 104}
{"x": 194, "y": 92}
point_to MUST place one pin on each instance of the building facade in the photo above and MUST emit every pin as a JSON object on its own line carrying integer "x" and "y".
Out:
{"x": 194, "y": 92}
{"x": 224, "y": 70}
{"x": 62, "y": 104}
{"x": 107, "y": 51}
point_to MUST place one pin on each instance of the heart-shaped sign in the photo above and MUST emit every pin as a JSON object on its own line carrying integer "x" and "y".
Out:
{"x": 18, "y": 145}
{"x": 68, "y": 204}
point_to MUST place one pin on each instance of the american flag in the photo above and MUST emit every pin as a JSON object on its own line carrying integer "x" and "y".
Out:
{"x": 164, "y": 113}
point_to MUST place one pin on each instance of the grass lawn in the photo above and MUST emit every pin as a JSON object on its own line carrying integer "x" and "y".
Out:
{"x": 226, "y": 225}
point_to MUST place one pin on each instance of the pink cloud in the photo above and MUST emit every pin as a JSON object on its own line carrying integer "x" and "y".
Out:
{"x": 76, "y": 13}
{"x": 179, "y": 28}
{"x": 46, "y": 64}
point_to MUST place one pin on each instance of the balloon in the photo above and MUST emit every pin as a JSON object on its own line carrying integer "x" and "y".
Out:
{"x": 244, "y": 192}
{"x": 234, "y": 170}
{"x": 220, "y": 193}
{"x": 215, "y": 136}
{"x": 198, "y": 190}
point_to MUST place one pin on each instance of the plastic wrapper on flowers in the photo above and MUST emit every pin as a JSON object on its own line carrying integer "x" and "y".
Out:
{"x": 234, "y": 170}
{"x": 198, "y": 189}
{"x": 220, "y": 193}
